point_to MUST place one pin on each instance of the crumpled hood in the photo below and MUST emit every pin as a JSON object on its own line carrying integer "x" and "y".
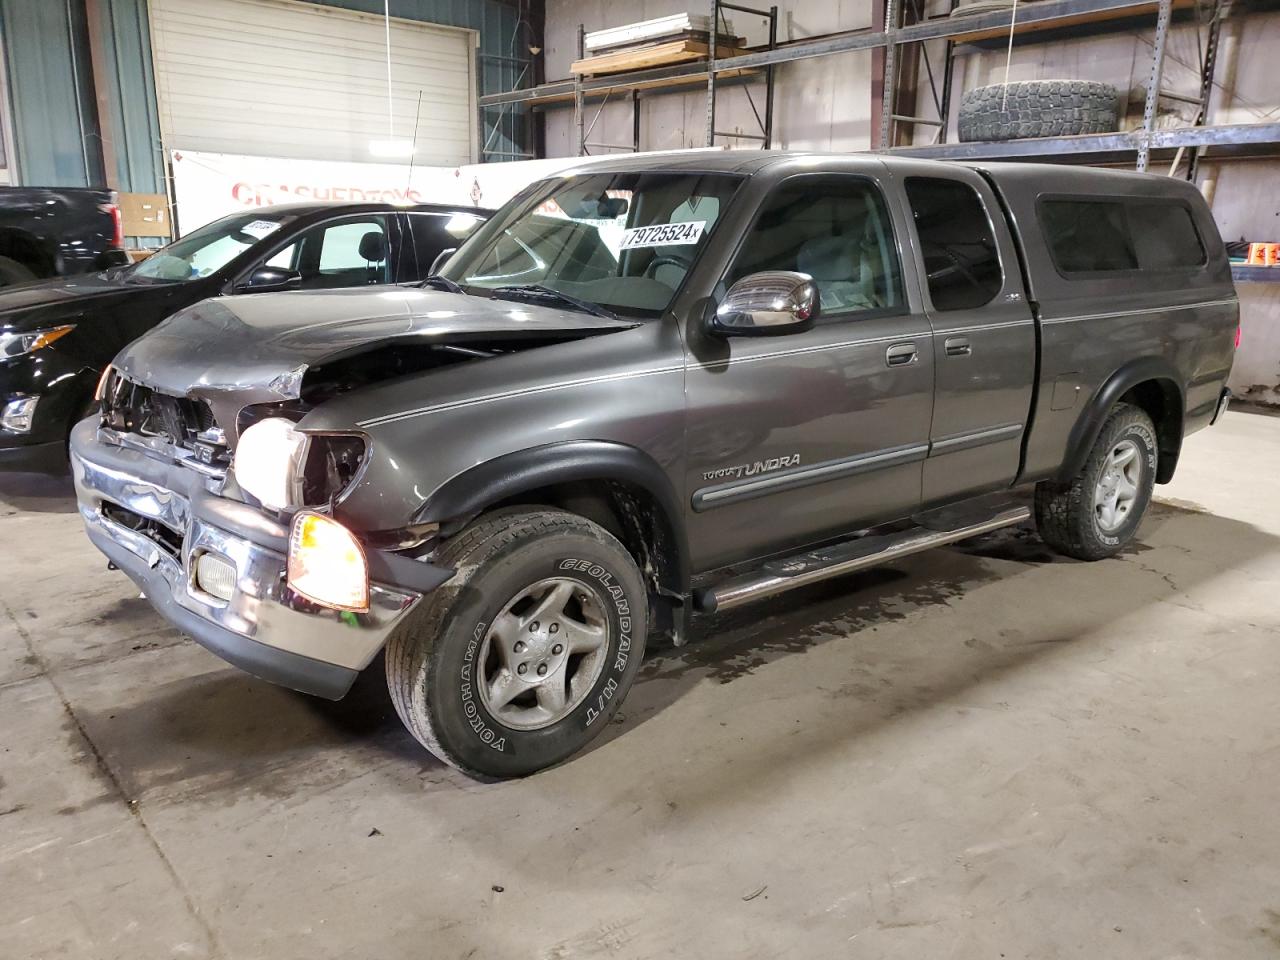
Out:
{"x": 255, "y": 348}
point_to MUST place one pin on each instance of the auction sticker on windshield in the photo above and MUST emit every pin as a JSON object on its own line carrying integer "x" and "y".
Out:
{"x": 664, "y": 235}
{"x": 260, "y": 228}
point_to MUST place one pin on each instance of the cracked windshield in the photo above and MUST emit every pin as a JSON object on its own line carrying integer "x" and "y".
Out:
{"x": 614, "y": 243}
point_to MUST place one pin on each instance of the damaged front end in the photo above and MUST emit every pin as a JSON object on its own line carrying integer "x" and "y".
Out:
{"x": 198, "y": 482}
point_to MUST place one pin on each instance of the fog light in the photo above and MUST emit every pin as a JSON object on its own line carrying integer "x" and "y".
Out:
{"x": 327, "y": 564}
{"x": 18, "y": 414}
{"x": 215, "y": 575}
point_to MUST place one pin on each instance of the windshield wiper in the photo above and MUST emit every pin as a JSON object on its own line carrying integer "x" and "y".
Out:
{"x": 442, "y": 283}
{"x": 539, "y": 291}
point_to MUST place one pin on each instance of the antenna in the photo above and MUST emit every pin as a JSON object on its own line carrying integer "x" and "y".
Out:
{"x": 413, "y": 149}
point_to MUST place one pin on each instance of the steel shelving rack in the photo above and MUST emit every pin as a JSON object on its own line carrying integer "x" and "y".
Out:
{"x": 1031, "y": 18}
{"x": 903, "y": 25}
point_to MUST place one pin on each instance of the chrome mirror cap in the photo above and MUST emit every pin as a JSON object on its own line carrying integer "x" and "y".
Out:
{"x": 767, "y": 304}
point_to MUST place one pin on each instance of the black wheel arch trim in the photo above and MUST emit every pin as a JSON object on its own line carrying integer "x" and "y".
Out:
{"x": 512, "y": 474}
{"x": 1087, "y": 427}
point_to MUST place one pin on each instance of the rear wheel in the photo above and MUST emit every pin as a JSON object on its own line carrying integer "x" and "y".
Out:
{"x": 1097, "y": 513}
{"x": 522, "y": 658}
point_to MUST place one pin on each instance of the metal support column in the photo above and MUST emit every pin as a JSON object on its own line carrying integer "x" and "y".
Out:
{"x": 1153, "y": 84}
{"x": 890, "y": 62}
{"x": 579, "y": 113}
{"x": 1221, "y": 9}
{"x": 714, "y": 39}
{"x": 769, "y": 81}
{"x": 635, "y": 121}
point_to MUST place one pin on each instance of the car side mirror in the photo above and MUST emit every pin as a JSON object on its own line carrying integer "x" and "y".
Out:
{"x": 265, "y": 279}
{"x": 767, "y": 304}
{"x": 441, "y": 259}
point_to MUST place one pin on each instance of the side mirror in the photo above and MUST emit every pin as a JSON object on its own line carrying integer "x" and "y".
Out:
{"x": 265, "y": 278}
{"x": 767, "y": 304}
{"x": 441, "y": 259}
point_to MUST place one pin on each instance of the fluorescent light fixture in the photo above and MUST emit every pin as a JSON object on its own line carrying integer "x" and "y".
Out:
{"x": 398, "y": 149}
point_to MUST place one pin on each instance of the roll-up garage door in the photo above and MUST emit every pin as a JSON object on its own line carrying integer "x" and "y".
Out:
{"x": 282, "y": 78}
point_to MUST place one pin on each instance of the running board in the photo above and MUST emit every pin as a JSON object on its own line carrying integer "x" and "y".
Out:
{"x": 857, "y": 554}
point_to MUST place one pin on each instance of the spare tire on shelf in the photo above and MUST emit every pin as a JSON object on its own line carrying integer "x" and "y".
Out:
{"x": 967, "y": 7}
{"x": 1039, "y": 108}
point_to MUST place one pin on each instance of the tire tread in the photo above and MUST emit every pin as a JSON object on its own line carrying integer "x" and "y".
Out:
{"x": 479, "y": 543}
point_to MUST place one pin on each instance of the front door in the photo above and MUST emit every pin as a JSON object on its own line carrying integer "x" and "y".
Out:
{"x": 796, "y": 438}
{"x": 984, "y": 338}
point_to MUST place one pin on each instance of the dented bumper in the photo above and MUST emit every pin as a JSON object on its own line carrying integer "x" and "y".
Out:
{"x": 155, "y": 519}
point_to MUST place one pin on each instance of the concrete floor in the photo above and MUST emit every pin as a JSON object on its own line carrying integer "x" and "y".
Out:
{"x": 984, "y": 751}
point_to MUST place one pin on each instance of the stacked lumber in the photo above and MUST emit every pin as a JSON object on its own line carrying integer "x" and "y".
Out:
{"x": 666, "y": 41}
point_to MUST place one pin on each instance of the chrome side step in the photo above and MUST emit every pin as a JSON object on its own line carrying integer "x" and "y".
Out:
{"x": 858, "y": 554}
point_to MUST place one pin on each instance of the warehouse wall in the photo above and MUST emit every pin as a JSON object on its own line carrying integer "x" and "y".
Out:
{"x": 50, "y": 92}
{"x": 820, "y": 104}
{"x": 46, "y": 44}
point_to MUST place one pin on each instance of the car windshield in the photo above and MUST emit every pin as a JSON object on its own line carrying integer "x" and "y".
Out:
{"x": 621, "y": 241}
{"x": 210, "y": 248}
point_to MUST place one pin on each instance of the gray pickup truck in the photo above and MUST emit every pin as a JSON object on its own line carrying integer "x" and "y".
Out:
{"x": 644, "y": 390}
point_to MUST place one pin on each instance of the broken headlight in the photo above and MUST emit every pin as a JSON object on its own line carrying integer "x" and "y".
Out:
{"x": 284, "y": 467}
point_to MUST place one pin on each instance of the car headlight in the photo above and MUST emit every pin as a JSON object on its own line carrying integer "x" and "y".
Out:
{"x": 16, "y": 344}
{"x": 268, "y": 462}
{"x": 327, "y": 563}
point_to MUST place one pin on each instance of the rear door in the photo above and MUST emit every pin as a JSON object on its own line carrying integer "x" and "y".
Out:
{"x": 983, "y": 332}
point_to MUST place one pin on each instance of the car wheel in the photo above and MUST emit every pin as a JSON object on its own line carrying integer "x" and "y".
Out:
{"x": 11, "y": 272}
{"x": 1096, "y": 514}
{"x": 521, "y": 659}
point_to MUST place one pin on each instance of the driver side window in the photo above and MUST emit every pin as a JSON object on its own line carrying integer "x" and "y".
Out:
{"x": 835, "y": 230}
{"x": 343, "y": 253}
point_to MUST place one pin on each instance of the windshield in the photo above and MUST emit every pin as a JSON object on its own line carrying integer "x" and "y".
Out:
{"x": 210, "y": 248}
{"x": 623, "y": 241}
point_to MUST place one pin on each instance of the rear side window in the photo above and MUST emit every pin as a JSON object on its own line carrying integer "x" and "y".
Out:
{"x": 1088, "y": 236}
{"x": 961, "y": 261}
{"x": 1165, "y": 236}
{"x": 1107, "y": 236}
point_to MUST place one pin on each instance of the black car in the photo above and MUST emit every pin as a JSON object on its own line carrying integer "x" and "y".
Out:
{"x": 56, "y": 336}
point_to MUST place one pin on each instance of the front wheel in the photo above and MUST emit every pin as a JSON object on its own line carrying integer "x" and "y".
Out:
{"x": 522, "y": 658}
{"x": 12, "y": 272}
{"x": 1097, "y": 513}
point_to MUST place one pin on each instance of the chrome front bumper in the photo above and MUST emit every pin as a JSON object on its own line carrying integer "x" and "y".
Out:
{"x": 264, "y": 628}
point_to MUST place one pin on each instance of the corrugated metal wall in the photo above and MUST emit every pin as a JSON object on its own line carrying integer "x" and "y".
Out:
{"x": 52, "y": 93}
{"x": 135, "y": 129}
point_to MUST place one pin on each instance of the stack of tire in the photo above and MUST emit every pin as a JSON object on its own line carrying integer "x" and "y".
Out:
{"x": 1034, "y": 108}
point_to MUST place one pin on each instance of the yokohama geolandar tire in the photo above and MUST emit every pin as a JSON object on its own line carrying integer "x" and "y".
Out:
{"x": 1039, "y": 108}
{"x": 522, "y": 658}
{"x": 1097, "y": 513}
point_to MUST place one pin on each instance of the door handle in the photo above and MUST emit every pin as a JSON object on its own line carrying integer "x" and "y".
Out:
{"x": 900, "y": 354}
{"x": 957, "y": 347}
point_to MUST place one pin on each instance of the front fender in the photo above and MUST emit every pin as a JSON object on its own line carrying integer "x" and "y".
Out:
{"x": 502, "y": 478}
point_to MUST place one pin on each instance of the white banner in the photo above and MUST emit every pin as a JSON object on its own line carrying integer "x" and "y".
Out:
{"x": 207, "y": 186}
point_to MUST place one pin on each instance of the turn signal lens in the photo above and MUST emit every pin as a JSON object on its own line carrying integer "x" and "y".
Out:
{"x": 17, "y": 344}
{"x": 327, "y": 564}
